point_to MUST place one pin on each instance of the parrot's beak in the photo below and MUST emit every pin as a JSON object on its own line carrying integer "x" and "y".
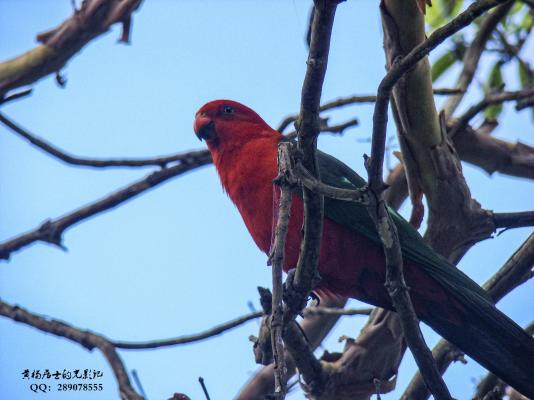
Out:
{"x": 204, "y": 127}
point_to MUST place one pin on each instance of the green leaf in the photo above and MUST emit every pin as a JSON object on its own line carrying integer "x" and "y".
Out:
{"x": 516, "y": 7}
{"x": 442, "y": 11}
{"x": 442, "y": 64}
{"x": 456, "y": 7}
{"x": 525, "y": 75}
{"x": 495, "y": 80}
{"x": 527, "y": 22}
{"x": 493, "y": 112}
{"x": 434, "y": 15}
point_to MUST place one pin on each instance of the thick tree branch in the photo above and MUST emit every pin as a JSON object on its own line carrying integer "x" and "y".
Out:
{"x": 399, "y": 68}
{"x": 513, "y": 219}
{"x": 516, "y": 271}
{"x": 308, "y": 129}
{"x": 50, "y": 149}
{"x": 495, "y": 155}
{"x": 51, "y": 231}
{"x": 85, "y": 338}
{"x": 94, "y": 18}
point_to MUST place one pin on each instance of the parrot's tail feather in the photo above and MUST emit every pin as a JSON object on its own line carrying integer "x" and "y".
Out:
{"x": 490, "y": 338}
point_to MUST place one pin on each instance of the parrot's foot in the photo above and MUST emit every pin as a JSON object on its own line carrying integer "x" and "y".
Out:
{"x": 295, "y": 299}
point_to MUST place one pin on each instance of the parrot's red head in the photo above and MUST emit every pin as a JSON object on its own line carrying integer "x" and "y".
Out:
{"x": 227, "y": 121}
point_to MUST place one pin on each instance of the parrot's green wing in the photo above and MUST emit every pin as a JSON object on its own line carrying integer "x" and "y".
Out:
{"x": 355, "y": 216}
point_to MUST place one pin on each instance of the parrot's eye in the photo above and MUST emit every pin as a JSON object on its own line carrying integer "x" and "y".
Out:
{"x": 228, "y": 109}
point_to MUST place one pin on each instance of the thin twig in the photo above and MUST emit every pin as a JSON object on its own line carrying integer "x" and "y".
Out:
{"x": 514, "y": 50}
{"x": 356, "y": 99}
{"x": 85, "y": 338}
{"x": 400, "y": 68}
{"x": 490, "y": 99}
{"x": 137, "y": 381}
{"x": 315, "y": 185}
{"x": 312, "y": 311}
{"x": 204, "y": 388}
{"x": 15, "y": 96}
{"x": 337, "y": 129}
{"x": 50, "y": 149}
{"x": 474, "y": 52}
{"x": 283, "y": 180}
{"x": 217, "y": 330}
{"x": 51, "y": 231}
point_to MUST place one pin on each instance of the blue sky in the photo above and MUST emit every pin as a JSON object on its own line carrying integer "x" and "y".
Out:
{"x": 178, "y": 260}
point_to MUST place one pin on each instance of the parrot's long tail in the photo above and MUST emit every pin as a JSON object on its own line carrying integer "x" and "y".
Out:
{"x": 491, "y": 338}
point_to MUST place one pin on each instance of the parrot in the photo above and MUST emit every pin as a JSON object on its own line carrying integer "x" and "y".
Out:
{"x": 351, "y": 261}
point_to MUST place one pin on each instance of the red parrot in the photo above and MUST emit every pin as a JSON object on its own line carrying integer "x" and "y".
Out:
{"x": 351, "y": 263}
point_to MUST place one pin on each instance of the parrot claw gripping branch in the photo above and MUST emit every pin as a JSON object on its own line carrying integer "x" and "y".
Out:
{"x": 358, "y": 245}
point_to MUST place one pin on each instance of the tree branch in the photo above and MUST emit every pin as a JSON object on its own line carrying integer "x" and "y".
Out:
{"x": 495, "y": 155}
{"x": 85, "y": 338}
{"x": 217, "y": 330}
{"x": 312, "y": 311}
{"x": 356, "y": 99}
{"x": 283, "y": 180}
{"x": 490, "y": 99}
{"x": 315, "y": 329}
{"x": 308, "y": 129}
{"x": 94, "y": 18}
{"x": 51, "y": 231}
{"x": 513, "y": 219}
{"x": 315, "y": 185}
{"x": 50, "y": 149}
{"x": 337, "y": 129}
